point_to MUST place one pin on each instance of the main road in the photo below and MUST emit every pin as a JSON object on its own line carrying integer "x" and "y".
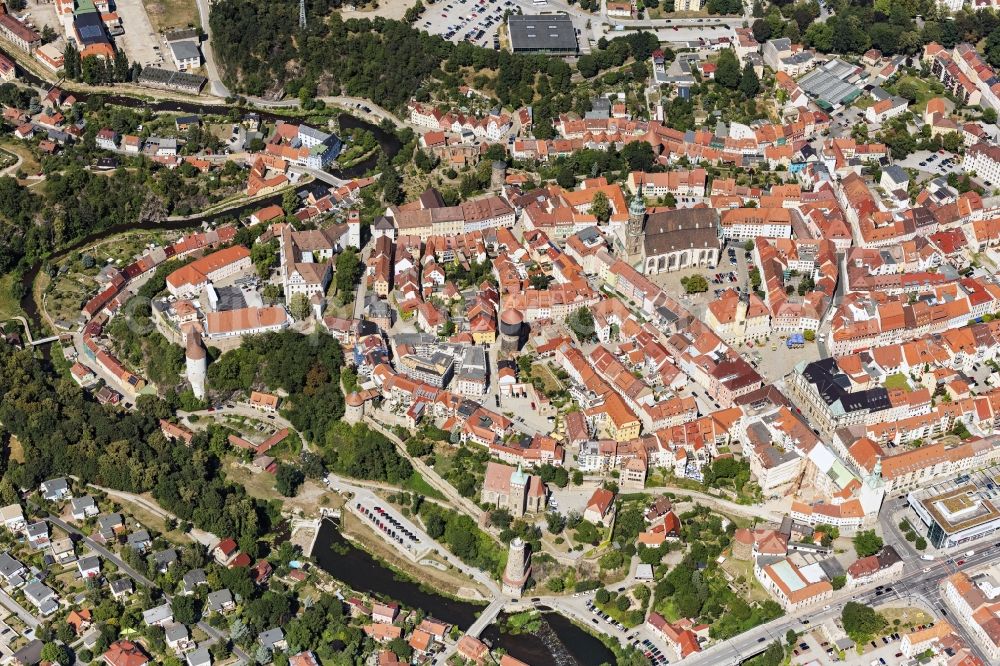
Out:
{"x": 916, "y": 583}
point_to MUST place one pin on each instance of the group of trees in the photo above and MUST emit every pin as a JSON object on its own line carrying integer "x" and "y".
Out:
{"x": 728, "y": 75}
{"x": 63, "y": 432}
{"x": 306, "y": 367}
{"x": 460, "y": 533}
{"x": 98, "y": 71}
{"x": 614, "y": 53}
{"x": 695, "y": 588}
{"x": 385, "y": 60}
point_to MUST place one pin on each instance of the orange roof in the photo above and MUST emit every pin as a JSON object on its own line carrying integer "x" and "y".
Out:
{"x": 125, "y": 653}
{"x": 472, "y": 648}
{"x": 420, "y": 640}
{"x": 265, "y": 399}
{"x": 601, "y": 500}
{"x": 197, "y": 271}
{"x": 244, "y": 319}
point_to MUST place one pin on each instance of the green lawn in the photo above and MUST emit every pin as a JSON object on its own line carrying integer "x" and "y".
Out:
{"x": 923, "y": 88}
{"x": 897, "y": 381}
{"x": 418, "y": 484}
{"x": 9, "y": 305}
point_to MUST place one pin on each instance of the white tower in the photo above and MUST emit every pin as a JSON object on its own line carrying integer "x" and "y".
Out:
{"x": 197, "y": 361}
{"x": 354, "y": 229}
{"x": 518, "y": 569}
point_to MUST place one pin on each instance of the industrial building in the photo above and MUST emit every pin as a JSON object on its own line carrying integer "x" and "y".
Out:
{"x": 542, "y": 33}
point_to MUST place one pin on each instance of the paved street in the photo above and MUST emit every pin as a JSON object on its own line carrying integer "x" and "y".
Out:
{"x": 11, "y": 604}
{"x": 915, "y": 584}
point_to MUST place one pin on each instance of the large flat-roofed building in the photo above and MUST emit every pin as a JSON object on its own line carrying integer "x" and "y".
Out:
{"x": 959, "y": 511}
{"x": 542, "y": 33}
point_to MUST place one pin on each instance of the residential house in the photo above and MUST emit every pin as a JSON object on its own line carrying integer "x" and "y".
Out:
{"x": 601, "y": 508}
{"x": 158, "y": 616}
{"x": 12, "y": 517}
{"x": 273, "y": 639}
{"x": 54, "y": 490}
{"x": 192, "y": 579}
{"x": 89, "y": 567}
{"x": 220, "y": 601}
{"x": 125, "y": 653}
{"x": 83, "y": 507}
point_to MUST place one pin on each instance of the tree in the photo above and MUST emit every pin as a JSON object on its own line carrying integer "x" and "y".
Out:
{"x": 600, "y": 207}
{"x": 555, "y": 522}
{"x": 348, "y": 271}
{"x": 289, "y": 202}
{"x": 920, "y": 543}
{"x": 867, "y": 543}
{"x": 907, "y": 91}
{"x": 587, "y": 65}
{"x": 695, "y": 284}
{"x": 839, "y": 582}
{"x": 288, "y": 479}
{"x": 791, "y": 637}
{"x": 581, "y": 322}
{"x": 727, "y": 72}
{"x": 749, "y": 83}
{"x": 185, "y": 609}
{"x": 761, "y": 30}
{"x": 299, "y": 307}
{"x": 55, "y": 653}
{"x": 71, "y": 60}
{"x": 602, "y": 596}
{"x": 389, "y": 181}
{"x": 861, "y": 622}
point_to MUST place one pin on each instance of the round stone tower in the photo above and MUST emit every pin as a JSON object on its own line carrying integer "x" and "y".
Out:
{"x": 197, "y": 363}
{"x": 354, "y": 408}
{"x": 518, "y": 569}
{"x": 511, "y": 330}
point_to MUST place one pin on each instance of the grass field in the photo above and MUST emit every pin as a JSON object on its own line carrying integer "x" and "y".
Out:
{"x": 166, "y": 14}
{"x": 897, "y": 381}
{"x": 29, "y": 165}
{"x": 418, "y": 484}
{"x": 9, "y": 306}
{"x": 925, "y": 91}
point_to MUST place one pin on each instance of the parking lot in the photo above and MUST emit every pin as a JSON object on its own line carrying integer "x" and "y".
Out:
{"x": 474, "y": 21}
{"x": 140, "y": 42}
{"x": 936, "y": 164}
{"x": 409, "y": 539}
{"x": 651, "y": 651}
{"x": 844, "y": 120}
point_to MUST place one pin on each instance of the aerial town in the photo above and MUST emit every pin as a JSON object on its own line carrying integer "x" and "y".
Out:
{"x": 500, "y": 333}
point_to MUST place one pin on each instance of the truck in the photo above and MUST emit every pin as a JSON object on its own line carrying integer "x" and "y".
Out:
{"x": 929, "y": 558}
{"x": 970, "y": 553}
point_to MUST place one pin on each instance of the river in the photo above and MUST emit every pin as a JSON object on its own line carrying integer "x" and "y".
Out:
{"x": 559, "y": 642}
{"x": 388, "y": 143}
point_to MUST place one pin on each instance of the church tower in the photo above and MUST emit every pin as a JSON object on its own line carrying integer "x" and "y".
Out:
{"x": 633, "y": 234}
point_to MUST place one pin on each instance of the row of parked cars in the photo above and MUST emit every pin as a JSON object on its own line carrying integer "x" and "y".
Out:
{"x": 389, "y": 525}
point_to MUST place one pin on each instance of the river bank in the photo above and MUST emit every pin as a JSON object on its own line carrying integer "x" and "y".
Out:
{"x": 559, "y": 641}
